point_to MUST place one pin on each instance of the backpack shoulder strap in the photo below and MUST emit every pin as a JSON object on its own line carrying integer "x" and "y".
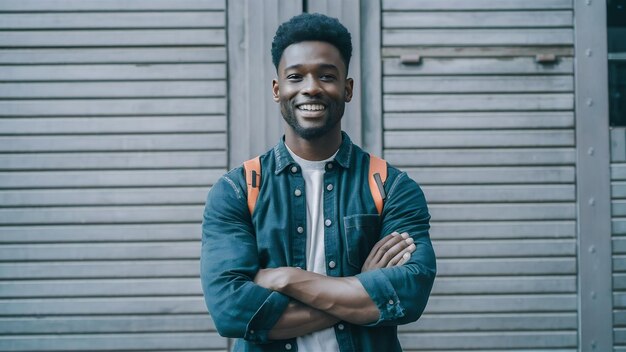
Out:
{"x": 377, "y": 177}
{"x": 252, "y": 169}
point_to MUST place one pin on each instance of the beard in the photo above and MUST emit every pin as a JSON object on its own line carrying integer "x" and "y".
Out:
{"x": 333, "y": 117}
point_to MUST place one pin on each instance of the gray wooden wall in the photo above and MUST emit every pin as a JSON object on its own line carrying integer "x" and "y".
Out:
{"x": 618, "y": 213}
{"x": 489, "y": 134}
{"x": 113, "y": 120}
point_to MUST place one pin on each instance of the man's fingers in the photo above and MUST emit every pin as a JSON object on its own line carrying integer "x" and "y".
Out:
{"x": 377, "y": 246}
{"x": 384, "y": 248}
{"x": 394, "y": 251}
{"x": 402, "y": 257}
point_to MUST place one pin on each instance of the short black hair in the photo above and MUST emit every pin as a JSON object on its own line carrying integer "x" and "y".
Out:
{"x": 315, "y": 27}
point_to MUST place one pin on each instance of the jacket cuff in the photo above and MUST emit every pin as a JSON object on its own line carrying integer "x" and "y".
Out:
{"x": 266, "y": 317}
{"x": 381, "y": 291}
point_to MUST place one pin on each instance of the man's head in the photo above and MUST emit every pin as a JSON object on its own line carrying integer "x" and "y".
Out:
{"x": 311, "y": 53}
{"x": 312, "y": 27}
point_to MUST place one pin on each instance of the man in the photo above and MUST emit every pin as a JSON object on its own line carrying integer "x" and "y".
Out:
{"x": 315, "y": 267}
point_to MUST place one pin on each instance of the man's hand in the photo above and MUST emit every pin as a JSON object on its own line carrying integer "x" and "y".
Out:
{"x": 272, "y": 279}
{"x": 393, "y": 250}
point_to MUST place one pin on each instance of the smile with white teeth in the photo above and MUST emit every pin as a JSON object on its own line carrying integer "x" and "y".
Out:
{"x": 311, "y": 107}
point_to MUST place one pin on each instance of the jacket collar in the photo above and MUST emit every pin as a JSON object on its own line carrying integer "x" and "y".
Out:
{"x": 284, "y": 159}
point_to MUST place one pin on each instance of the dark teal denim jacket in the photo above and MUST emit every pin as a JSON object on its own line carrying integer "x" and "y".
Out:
{"x": 236, "y": 245}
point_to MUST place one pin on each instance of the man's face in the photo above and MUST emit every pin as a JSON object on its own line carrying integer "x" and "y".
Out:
{"x": 312, "y": 88}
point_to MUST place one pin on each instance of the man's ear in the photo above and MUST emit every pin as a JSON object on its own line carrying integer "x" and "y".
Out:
{"x": 275, "y": 90}
{"x": 348, "y": 91}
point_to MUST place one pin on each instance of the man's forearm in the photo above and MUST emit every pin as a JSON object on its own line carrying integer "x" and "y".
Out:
{"x": 299, "y": 319}
{"x": 342, "y": 297}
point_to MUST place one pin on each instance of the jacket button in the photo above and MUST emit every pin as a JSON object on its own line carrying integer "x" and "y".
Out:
{"x": 327, "y": 222}
{"x": 332, "y": 264}
{"x": 340, "y": 326}
{"x": 294, "y": 169}
{"x": 329, "y": 166}
{"x": 297, "y": 192}
{"x": 391, "y": 301}
{"x": 329, "y": 187}
{"x": 288, "y": 346}
{"x": 300, "y": 229}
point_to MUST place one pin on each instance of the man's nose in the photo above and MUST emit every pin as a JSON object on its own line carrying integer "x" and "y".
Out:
{"x": 311, "y": 87}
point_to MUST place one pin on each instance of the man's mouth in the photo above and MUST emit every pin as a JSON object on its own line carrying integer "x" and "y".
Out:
{"x": 311, "y": 107}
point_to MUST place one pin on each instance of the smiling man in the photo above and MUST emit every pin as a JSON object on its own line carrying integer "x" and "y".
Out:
{"x": 321, "y": 252}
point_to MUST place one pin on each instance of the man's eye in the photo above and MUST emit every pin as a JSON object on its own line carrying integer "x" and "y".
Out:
{"x": 328, "y": 77}
{"x": 294, "y": 77}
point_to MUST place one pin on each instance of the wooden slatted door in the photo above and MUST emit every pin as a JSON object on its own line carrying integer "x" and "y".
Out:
{"x": 112, "y": 116}
{"x": 488, "y": 131}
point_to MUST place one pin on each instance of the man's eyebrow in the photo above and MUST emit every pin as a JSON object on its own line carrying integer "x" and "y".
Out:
{"x": 323, "y": 66}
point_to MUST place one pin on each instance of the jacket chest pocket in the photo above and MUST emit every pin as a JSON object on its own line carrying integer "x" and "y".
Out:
{"x": 361, "y": 232}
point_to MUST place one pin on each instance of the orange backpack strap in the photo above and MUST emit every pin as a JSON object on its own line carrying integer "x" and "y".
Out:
{"x": 252, "y": 169}
{"x": 377, "y": 177}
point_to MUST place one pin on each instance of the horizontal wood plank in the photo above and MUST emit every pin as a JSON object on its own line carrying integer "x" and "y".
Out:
{"x": 477, "y": 84}
{"x": 504, "y": 194}
{"x": 93, "y": 233}
{"x": 477, "y": 19}
{"x": 101, "y": 215}
{"x": 103, "y": 197}
{"x": 504, "y": 248}
{"x": 111, "y": 5}
{"x": 113, "y": 160}
{"x": 503, "y": 285}
{"x": 481, "y": 157}
{"x": 102, "y": 178}
{"x": 618, "y": 171}
{"x": 502, "y": 230}
{"x": 457, "y": 5}
{"x": 477, "y": 37}
{"x": 503, "y": 211}
{"x": 618, "y": 208}
{"x": 113, "y": 72}
{"x": 477, "y": 138}
{"x": 489, "y": 175}
{"x": 477, "y": 66}
{"x": 112, "y": 55}
{"x": 161, "y": 89}
{"x": 108, "y": 20}
{"x": 477, "y": 102}
{"x": 478, "y": 120}
{"x": 471, "y": 267}
{"x": 492, "y": 322}
{"x": 502, "y": 303}
{"x": 108, "y": 125}
{"x": 489, "y": 340}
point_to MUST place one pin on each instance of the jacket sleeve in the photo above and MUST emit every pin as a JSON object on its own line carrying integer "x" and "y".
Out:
{"x": 401, "y": 292}
{"x": 228, "y": 264}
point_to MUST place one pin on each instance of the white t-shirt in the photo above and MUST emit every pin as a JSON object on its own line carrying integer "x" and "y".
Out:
{"x": 313, "y": 174}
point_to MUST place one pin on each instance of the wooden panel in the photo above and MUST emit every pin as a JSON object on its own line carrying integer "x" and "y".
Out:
{"x": 102, "y": 251}
{"x": 488, "y": 340}
{"x": 502, "y": 303}
{"x": 113, "y": 89}
{"x": 98, "y": 5}
{"x": 483, "y": 157}
{"x": 503, "y": 266}
{"x": 178, "y": 19}
{"x": 477, "y": 66}
{"x": 92, "y": 233}
{"x": 104, "y": 324}
{"x": 477, "y": 84}
{"x": 472, "y": 139}
{"x": 618, "y": 190}
{"x": 112, "y": 55}
{"x": 113, "y": 160}
{"x": 103, "y": 197}
{"x": 619, "y": 263}
{"x": 101, "y": 269}
{"x": 618, "y": 208}
{"x": 112, "y": 72}
{"x": 504, "y": 285}
{"x": 473, "y": 19}
{"x": 477, "y": 37}
{"x": 619, "y": 244}
{"x": 99, "y": 215}
{"x": 475, "y": 120}
{"x": 488, "y": 175}
{"x": 471, "y": 212}
{"x": 101, "y": 125}
{"x": 483, "y": 194}
{"x": 618, "y": 172}
{"x": 456, "y": 5}
{"x": 500, "y": 322}
{"x": 100, "y": 306}
{"x": 504, "y": 248}
{"x": 477, "y": 102}
{"x": 103, "y": 178}
{"x": 102, "y": 288}
{"x": 106, "y": 342}
{"x": 503, "y": 229}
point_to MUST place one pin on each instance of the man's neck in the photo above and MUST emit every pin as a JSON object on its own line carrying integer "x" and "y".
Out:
{"x": 317, "y": 149}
